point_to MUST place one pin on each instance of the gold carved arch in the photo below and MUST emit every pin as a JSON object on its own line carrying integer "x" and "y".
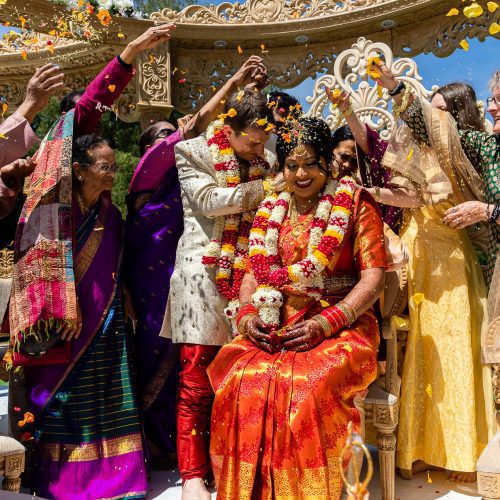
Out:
{"x": 302, "y": 39}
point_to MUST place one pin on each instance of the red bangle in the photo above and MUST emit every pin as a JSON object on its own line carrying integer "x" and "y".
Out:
{"x": 244, "y": 311}
{"x": 336, "y": 317}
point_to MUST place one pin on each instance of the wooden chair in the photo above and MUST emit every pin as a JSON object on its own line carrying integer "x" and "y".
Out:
{"x": 381, "y": 405}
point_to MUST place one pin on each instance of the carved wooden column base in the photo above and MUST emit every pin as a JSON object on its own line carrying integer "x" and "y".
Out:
{"x": 11, "y": 484}
{"x": 386, "y": 443}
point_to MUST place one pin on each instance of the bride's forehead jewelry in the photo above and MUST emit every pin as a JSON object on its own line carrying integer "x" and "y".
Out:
{"x": 299, "y": 150}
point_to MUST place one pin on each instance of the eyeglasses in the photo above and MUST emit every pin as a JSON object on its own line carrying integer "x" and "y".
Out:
{"x": 491, "y": 100}
{"x": 346, "y": 158}
{"x": 163, "y": 133}
{"x": 106, "y": 168}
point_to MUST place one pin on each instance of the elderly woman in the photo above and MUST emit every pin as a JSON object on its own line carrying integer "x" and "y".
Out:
{"x": 74, "y": 399}
{"x": 80, "y": 406}
{"x": 284, "y": 388}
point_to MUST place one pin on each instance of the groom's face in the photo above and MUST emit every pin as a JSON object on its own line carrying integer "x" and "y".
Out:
{"x": 249, "y": 143}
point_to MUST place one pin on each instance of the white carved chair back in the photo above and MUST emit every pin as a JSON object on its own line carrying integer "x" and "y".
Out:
{"x": 349, "y": 74}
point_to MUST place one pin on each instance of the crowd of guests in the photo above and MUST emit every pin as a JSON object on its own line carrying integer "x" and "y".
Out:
{"x": 230, "y": 322}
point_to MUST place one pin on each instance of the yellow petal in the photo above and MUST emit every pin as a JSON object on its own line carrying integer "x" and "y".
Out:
{"x": 24, "y": 55}
{"x": 240, "y": 50}
{"x": 418, "y": 298}
{"x": 240, "y": 95}
{"x": 398, "y": 322}
{"x": 347, "y": 348}
{"x": 262, "y": 122}
{"x": 492, "y": 6}
{"x": 379, "y": 91}
{"x": 5, "y": 107}
{"x": 453, "y": 12}
{"x": 494, "y": 29}
{"x": 410, "y": 154}
{"x": 121, "y": 35}
{"x": 3, "y": 136}
{"x": 429, "y": 479}
{"x": 473, "y": 10}
{"x": 324, "y": 303}
{"x": 3, "y": 2}
{"x": 232, "y": 113}
{"x": 152, "y": 59}
{"x": 464, "y": 44}
{"x": 428, "y": 390}
{"x": 193, "y": 432}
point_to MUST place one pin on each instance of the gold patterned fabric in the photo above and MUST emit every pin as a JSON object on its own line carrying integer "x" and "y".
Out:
{"x": 446, "y": 414}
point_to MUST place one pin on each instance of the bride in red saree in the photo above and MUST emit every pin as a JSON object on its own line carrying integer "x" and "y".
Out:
{"x": 284, "y": 388}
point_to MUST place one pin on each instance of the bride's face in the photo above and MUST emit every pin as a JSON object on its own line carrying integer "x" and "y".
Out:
{"x": 305, "y": 172}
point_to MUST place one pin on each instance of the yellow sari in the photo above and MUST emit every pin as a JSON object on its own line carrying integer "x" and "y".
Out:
{"x": 447, "y": 411}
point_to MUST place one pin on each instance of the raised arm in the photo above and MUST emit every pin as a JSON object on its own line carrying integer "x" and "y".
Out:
{"x": 358, "y": 128}
{"x": 205, "y": 197}
{"x": 108, "y": 85}
{"x": 252, "y": 71}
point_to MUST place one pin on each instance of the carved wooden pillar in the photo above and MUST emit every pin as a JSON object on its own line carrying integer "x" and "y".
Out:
{"x": 154, "y": 95}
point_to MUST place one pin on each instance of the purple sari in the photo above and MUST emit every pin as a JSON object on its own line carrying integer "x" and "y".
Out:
{"x": 87, "y": 432}
{"x": 154, "y": 226}
{"x": 374, "y": 174}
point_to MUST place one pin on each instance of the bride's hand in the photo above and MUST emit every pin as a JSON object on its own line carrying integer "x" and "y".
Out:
{"x": 255, "y": 332}
{"x": 303, "y": 336}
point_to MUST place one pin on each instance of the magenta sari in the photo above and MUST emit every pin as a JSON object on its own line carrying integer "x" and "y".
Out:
{"x": 87, "y": 431}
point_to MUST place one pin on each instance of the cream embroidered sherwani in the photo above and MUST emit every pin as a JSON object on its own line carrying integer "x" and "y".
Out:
{"x": 195, "y": 309}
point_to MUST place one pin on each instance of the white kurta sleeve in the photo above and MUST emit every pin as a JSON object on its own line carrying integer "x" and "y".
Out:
{"x": 205, "y": 197}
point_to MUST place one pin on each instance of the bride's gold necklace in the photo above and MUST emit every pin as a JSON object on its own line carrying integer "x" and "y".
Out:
{"x": 298, "y": 227}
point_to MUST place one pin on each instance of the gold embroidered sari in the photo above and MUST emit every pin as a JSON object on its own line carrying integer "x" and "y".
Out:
{"x": 279, "y": 421}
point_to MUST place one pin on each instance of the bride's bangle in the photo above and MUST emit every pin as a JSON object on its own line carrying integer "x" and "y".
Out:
{"x": 324, "y": 324}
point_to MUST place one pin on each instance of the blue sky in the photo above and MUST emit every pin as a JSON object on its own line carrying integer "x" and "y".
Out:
{"x": 474, "y": 67}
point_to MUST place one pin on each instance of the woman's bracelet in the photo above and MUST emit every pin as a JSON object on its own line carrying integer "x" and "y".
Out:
{"x": 494, "y": 215}
{"x": 349, "y": 111}
{"x": 324, "y": 324}
{"x": 397, "y": 89}
{"x": 348, "y": 311}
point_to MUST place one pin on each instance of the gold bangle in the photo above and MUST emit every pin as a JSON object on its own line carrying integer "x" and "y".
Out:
{"x": 324, "y": 324}
{"x": 349, "y": 111}
{"x": 242, "y": 325}
{"x": 347, "y": 310}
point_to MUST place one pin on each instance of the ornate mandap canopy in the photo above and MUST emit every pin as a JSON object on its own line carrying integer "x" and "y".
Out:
{"x": 298, "y": 39}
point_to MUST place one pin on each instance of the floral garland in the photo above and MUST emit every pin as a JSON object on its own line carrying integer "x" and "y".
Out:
{"x": 228, "y": 248}
{"x": 329, "y": 226}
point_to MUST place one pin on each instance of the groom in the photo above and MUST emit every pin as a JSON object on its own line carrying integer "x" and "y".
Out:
{"x": 195, "y": 317}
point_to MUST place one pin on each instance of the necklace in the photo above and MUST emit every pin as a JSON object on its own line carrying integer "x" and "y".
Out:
{"x": 298, "y": 226}
{"x": 84, "y": 209}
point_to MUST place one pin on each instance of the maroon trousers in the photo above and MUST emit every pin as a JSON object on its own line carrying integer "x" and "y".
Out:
{"x": 194, "y": 405}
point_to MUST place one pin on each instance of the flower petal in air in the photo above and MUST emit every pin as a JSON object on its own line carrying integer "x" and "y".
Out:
{"x": 453, "y": 12}
{"x": 473, "y": 10}
{"x": 494, "y": 29}
{"x": 492, "y": 6}
{"x": 465, "y": 45}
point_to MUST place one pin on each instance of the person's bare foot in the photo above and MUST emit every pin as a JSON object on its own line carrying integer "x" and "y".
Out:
{"x": 462, "y": 477}
{"x": 195, "y": 489}
{"x": 421, "y": 466}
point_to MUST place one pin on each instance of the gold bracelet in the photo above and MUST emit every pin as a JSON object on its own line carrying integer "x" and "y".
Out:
{"x": 324, "y": 324}
{"x": 347, "y": 310}
{"x": 349, "y": 111}
{"x": 242, "y": 325}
